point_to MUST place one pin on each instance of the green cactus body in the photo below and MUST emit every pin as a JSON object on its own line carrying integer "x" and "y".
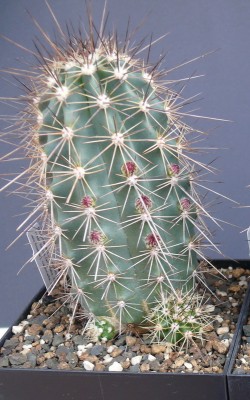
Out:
{"x": 122, "y": 210}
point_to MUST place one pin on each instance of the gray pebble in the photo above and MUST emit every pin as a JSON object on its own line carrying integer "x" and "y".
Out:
{"x": 246, "y": 330}
{"x": 58, "y": 339}
{"x": 154, "y": 365}
{"x": 52, "y": 363}
{"x": 119, "y": 359}
{"x": 97, "y": 350}
{"x": 128, "y": 354}
{"x": 239, "y": 371}
{"x": 38, "y": 320}
{"x": 31, "y": 357}
{"x": 62, "y": 349}
{"x": 47, "y": 338}
{"x": 134, "y": 368}
{"x": 4, "y": 362}
{"x": 121, "y": 340}
{"x": 72, "y": 359}
{"x": 79, "y": 340}
{"x": 11, "y": 343}
{"x": 17, "y": 358}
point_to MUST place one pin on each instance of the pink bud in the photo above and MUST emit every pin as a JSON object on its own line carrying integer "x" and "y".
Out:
{"x": 143, "y": 203}
{"x": 185, "y": 204}
{"x": 152, "y": 240}
{"x": 129, "y": 168}
{"x": 96, "y": 237}
{"x": 173, "y": 169}
{"x": 87, "y": 202}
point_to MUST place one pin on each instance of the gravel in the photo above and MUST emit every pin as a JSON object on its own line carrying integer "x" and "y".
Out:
{"x": 47, "y": 340}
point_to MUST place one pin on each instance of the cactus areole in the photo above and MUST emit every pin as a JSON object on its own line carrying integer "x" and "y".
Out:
{"x": 112, "y": 179}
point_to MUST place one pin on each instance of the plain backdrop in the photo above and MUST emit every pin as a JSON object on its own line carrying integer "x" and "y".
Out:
{"x": 194, "y": 27}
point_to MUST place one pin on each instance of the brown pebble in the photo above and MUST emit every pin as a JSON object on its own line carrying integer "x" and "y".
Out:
{"x": 59, "y": 328}
{"x": 144, "y": 367}
{"x": 91, "y": 358}
{"x": 35, "y": 306}
{"x": 237, "y": 272}
{"x": 234, "y": 288}
{"x": 38, "y": 347}
{"x": 63, "y": 365}
{"x": 145, "y": 349}
{"x": 50, "y": 309}
{"x": 208, "y": 328}
{"x": 116, "y": 352}
{"x": 40, "y": 359}
{"x": 157, "y": 348}
{"x": 49, "y": 354}
{"x": 99, "y": 367}
{"x": 131, "y": 340}
{"x": 35, "y": 329}
{"x": 220, "y": 347}
{"x": 178, "y": 362}
{"x": 125, "y": 364}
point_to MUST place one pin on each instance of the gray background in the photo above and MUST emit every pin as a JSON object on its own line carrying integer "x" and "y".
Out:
{"x": 195, "y": 27}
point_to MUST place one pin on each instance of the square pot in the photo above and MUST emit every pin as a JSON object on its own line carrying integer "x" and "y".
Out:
{"x": 239, "y": 385}
{"x": 30, "y": 384}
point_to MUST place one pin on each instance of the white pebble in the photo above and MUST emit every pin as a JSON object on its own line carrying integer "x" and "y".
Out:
{"x": 226, "y": 342}
{"x": 136, "y": 360}
{"x": 81, "y": 347}
{"x": 243, "y": 283}
{"x": 111, "y": 348}
{"x": 220, "y": 293}
{"x": 89, "y": 366}
{"x": 107, "y": 359}
{"x": 151, "y": 358}
{"x": 25, "y": 351}
{"x": 188, "y": 365}
{"x": 243, "y": 361}
{"x": 89, "y": 345}
{"x": 116, "y": 367}
{"x": 219, "y": 319}
{"x": 222, "y": 330}
{"x": 17, "y": 329}
{"x": 27, "y": 346}
{"x": 42, "y": 341}
{"x": 68, "y": 336}
{"x": 209, "y": 308}
{"x": 235, "y": 304}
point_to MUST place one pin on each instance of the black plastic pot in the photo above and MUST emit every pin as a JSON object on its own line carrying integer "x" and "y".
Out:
{"x": 239, "y": 385}
{"x": 28, "y": 384}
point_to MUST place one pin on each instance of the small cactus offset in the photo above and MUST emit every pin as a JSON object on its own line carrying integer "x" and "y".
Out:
{"x": 114, "y": 186}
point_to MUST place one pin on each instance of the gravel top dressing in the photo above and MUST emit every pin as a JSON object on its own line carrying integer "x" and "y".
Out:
{"x": 44, "y": 339}
{"x": 242, "y": 363}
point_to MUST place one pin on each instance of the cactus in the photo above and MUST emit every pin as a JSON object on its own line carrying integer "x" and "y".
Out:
{"x": 112, "y": 182}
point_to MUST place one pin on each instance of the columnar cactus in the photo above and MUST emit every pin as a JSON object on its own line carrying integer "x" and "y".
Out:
{"x": 114, "y": 182}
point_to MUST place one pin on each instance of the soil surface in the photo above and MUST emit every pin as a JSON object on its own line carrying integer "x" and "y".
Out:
{"x": 44, "y": 339}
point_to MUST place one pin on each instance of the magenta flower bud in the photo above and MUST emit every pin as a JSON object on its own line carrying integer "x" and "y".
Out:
{"x": 87, "y": 202}
{"x": 129, "y": 168}
{"x": 152, "y": 240}
{"x": 173, "y": 169}
{"x": 143, "y": 203}
{"x": 96, "y": 237}
{"x": 185, "y": 204}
